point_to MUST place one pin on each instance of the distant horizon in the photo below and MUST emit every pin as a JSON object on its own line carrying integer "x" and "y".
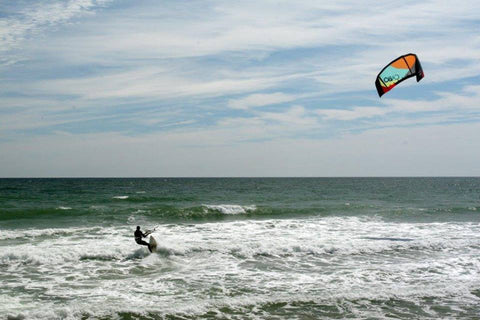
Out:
{"x": 259, "y": 177}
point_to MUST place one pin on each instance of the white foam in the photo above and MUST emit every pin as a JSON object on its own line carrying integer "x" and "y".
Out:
{"x": 120, "y": 197}
{"x": 230, "y": 208}
{"x": 64, "y": 208}
{"x": 48, "y": 232}
{"x": 209, "y": 266}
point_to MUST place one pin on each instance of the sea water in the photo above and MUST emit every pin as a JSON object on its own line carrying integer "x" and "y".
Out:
{"x": 253, "y": 248}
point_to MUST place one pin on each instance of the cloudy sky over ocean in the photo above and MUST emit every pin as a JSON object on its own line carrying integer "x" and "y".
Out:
{"x": 249, "y": 88}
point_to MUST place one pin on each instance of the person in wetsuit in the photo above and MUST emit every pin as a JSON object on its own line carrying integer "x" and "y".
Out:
{"x": 138, "y": 238}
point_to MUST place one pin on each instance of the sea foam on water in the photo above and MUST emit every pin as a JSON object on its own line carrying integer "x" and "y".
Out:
{"x": 293, "y": 250}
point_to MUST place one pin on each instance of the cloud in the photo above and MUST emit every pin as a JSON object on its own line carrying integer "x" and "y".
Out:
{"x": 30, "y": 21}
{"x": 355, "y": 113}
{"x": 217, "y": 27}
{"x": 429, "y": 151}
{"x": 259, "y": 100}
{"x": 456, "y": 104}
{"x": 296, "y": 115}
{"x": 161, "y": 83}
{"x": 221, "y": 75}
{"x": 237, "y": 33}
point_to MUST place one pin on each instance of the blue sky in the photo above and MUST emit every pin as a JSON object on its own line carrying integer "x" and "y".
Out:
{"x": 250, "y": 88}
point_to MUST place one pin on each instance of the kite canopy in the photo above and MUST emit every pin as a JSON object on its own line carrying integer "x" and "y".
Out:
{"x": 402, "y": 68}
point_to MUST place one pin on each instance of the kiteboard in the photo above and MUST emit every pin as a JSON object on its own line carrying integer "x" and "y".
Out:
{"x": 153, "y": 243}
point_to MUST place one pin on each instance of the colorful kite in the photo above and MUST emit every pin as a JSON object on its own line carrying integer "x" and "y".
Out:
{"x": 402, "y": 68}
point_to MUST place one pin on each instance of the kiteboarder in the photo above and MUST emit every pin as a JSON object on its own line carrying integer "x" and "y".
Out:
{"x": 138, "y": 238}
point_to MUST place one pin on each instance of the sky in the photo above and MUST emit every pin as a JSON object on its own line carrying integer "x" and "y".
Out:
{"x": 128, "y": 88}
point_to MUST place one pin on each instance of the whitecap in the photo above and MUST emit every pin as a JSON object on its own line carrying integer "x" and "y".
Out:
{"x": 230, "y": 208}
{"x": 120, "y": 197}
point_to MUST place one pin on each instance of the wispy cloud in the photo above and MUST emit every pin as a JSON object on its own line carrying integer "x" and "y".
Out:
{"x": 355, "y": 113}
{"x": 459, "y": 103}
{"x": 260, "y": 100}
{"x": 27, "y": 22}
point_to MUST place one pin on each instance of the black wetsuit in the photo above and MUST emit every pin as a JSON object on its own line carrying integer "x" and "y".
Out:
{"x": 138, "y": 239}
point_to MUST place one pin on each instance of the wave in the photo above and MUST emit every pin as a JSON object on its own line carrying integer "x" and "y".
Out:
{"x": 85, "y": 244}
{"x": 133, "y": 209}
{"x": 219, "y": 212}
{"x": 52, "y": 213}
{"x": 323, "y": 304}
{"x": 367, "y": 249}
{"x": 98, "y": 257}
{"x": 229, "y": 208}
{"x": 41, "y": 256}
{"x": 159, "y": 213}
{"x": 145, "y": 198}
{"x": 38, "y": 234}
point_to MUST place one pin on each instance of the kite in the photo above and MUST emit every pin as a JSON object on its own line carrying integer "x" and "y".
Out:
{"x": 402, "y": 68}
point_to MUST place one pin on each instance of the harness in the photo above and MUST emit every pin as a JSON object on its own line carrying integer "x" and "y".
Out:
{"x": 138, "y": 236}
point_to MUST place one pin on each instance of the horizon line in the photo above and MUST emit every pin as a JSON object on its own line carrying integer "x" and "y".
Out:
{"x": 235, "y": 177}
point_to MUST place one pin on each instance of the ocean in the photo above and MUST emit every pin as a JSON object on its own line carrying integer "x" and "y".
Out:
{"x": 240, "y": 248}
